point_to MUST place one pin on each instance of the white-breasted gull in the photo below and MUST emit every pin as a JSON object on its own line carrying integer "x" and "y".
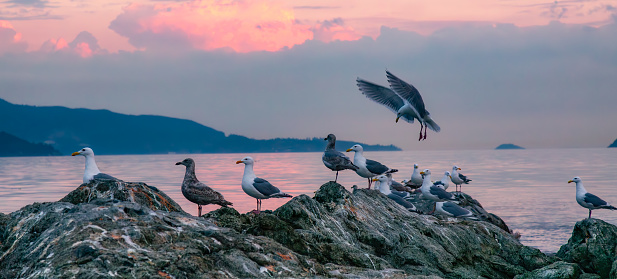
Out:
{"x": 256, "y": 187}
{"x": 91, "y": 171}
{"x": 444, "y": 182}
{"x": 416, "y": 178}
{"x": 458, "y": 178}
{"x": 384, "y": 188}
{"x": 368, "y": 168}
{"x": 402, "y": 98}
{"x": 432, "y": 192}
{"x": 588, "y": 200}
{"x": 335, "y": 160}
{"x": 197, "y": 192}
{"x": 453, "y": 210}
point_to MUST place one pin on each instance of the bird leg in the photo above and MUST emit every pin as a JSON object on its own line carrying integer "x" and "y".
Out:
{"x": 369, "y": 183}
{"x": 589, "y": 214}
{"x": 434, "y": 208}
{"x": 419, "y": 139}
{"x": 335, "y": 179}
{"x": 424, "y": 133}
{"x": 199, "y": 210}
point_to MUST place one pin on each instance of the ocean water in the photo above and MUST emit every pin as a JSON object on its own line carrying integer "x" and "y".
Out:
{"x": 527, "y": 188}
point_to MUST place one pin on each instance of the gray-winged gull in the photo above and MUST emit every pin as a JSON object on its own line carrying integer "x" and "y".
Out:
{"x": 401, "y": 98}
{"x": 368, "y": 168}
{"x": 197, "y": 192}
{"x": 432, "y": 192}
{"x": 458, "y": 178}
{"x": 384, "y": 188}
{"x": 588, "y": 200}
{"x": 416, "y": 178}
{"x": 256, "y": 187}
{"x": 453, "y": 210}
{"x": 92, "y": 172}
{"x": 444, "y": 182}
{"x": 335, "y": 160}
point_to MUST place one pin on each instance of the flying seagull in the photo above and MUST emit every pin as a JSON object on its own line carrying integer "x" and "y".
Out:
{"x": 335, "y": 160}
{"x": 92, "y": 172}
{"x": 402, "y": 98}
{"x": 588, "y": 200}
{"x": 368, "y": 168}
{"x": 256, "y": 187}
{"x": 197, "y": 192}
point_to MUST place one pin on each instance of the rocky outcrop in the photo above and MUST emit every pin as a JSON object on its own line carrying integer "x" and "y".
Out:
{"x": 132, "y": 230}
{"x": 593, "y": 246}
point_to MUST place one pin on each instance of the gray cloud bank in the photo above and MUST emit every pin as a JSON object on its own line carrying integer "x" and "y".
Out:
{"x": 537, "y": 87}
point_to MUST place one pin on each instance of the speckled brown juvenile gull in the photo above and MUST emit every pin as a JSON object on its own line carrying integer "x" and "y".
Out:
{"x": 197, "y": 192}
{"x": 335, "y": 160}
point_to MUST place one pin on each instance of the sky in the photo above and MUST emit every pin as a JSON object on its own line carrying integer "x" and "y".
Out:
{"x": 538, "y": 74}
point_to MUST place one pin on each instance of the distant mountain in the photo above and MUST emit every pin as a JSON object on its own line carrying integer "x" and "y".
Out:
{"x": 509, "y": 146}
{"x": 113, "y": 133}
{"x": 614, "y": 144}
{"x": 12, "y": 146}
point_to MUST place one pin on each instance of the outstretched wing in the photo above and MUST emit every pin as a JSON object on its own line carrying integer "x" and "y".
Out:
{"x": 383, "y": 95}
{"x": 407, "y": 92}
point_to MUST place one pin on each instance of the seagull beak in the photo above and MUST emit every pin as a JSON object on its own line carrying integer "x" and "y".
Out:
{"x": 238, "y": 162}
{"x": 422, "y": 173}
{"x": 178, "y": 163}
{"x": 397, "y": 118}
{"x": 349, "y": 150}
{"x": 570, "y": 181}
{"x": 458, "y": 168}
{"x": 75, "y": 153}
{"x": 375, "y": 179}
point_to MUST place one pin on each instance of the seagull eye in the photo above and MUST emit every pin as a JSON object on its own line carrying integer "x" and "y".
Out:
{"x": 83, "y": 149}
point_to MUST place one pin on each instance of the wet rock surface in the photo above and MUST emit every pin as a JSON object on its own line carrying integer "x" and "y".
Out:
{"x": 131, "y": 230}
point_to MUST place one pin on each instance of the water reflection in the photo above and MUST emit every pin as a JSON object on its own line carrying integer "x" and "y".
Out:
{"x": 527, "y": 188}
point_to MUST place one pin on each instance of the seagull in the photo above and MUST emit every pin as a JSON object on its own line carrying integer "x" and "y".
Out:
{"x": 92, "y": 171}
{"x": 458, "y": 178}
{"x": 256, "y": 187}
{"x": 444, "y": 182}
{"x": 416, "y": 177}
{"x": 453, "y": 210}
{"x": 384, "y": 188}
{"x": 402, "y": 98}
{"x": 367, "y": 168}
{"x": 433, "y": 192}
{"x": 197, "y": 192}
{"x": 396, "y": 185}
{"x": 588, "y": 200}
{"x": 335, "y": 160}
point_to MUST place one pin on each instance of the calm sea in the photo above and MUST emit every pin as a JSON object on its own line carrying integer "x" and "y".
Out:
{"x": 527, "y": 188}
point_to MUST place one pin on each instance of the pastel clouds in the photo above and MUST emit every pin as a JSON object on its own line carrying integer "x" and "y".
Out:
{"x": 10, "y": 39}
{"x": 242, "y": 26}
{"x": 84, "y": 45}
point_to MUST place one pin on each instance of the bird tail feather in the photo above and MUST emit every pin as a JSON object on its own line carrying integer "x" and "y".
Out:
{"x": 281, "y": 195}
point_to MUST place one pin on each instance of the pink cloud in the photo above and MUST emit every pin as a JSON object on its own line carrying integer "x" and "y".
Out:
{"x": 10, "y": 39}
{"x": 243, "y": 26}
{"x": 84, "y": 45}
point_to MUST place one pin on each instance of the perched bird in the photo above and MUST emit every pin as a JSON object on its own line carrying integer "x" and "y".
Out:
{"x": 433, "y": 192}
{"x": 384, "y": 188}
{"x": 390, "y": 184}
{"x": 197, "y": 192}
{"x": 458, "y": 178}
{"x": 335, "y": 160}
{"x": 444, "y": 182}
{"x": 588, "y": 200}
{"x": 453, "y": 210}
{"x": 416, "y": 178}
{"x": 256, "y": 187}
{"x": 92, "y": 171}
{"x": 397, "y": 186}
{"x": 402, "y": 98}
{"x": 367, "y": 168}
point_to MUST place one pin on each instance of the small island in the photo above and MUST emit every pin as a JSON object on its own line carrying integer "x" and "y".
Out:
{"x": 509, "y": 146}
{"x": 614, "y": 144}
{"x": 12, "y": 146}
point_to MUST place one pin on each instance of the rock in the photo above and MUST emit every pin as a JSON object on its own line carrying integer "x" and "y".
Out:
{"x": 556, "y": 270}
{"x": 592, "y": 245}
{"x": 137, "y": 192}
{"x": 131, "y": 230}
{"x": 508, "y": 146}
{"x": 370, "y": 231}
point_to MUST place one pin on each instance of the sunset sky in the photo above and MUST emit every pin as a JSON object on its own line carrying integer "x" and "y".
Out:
{"x": 539, "y": 74}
